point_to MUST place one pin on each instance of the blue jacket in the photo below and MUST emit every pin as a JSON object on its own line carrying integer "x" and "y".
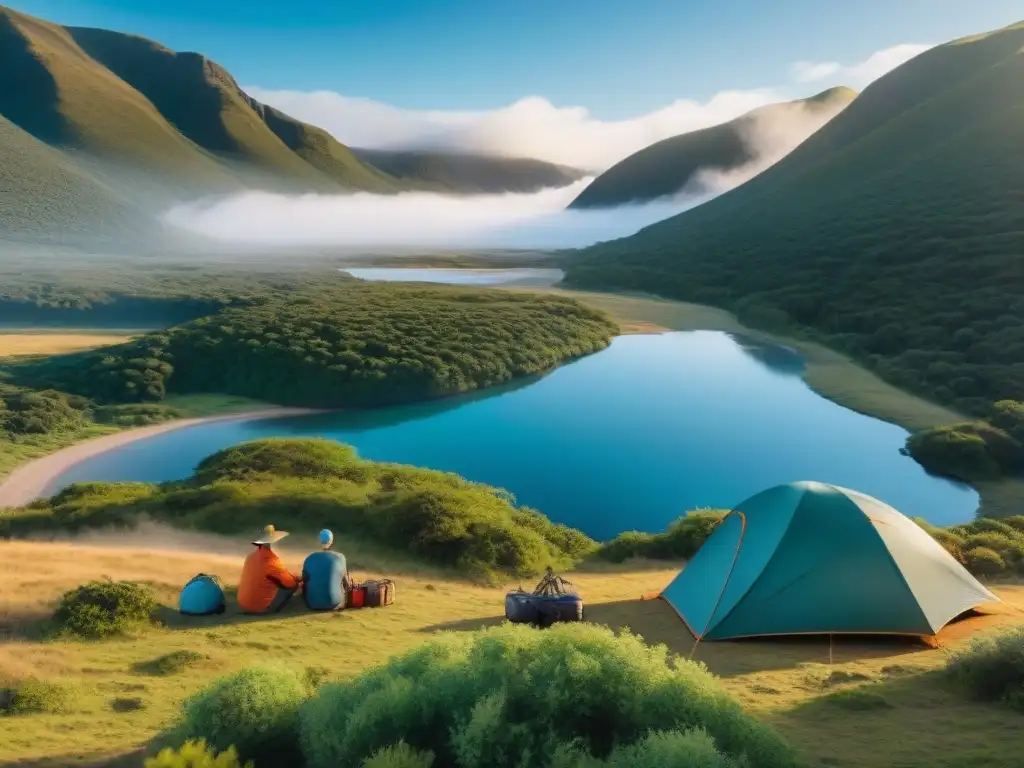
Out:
{"x": 322, "y": 573}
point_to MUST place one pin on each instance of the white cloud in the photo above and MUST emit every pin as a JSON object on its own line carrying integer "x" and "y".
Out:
{"x": 534, "y": 127}
{"x": 531, "y": 127}
{"x": 422, "y": 220}
{"x": 861, "y": 74}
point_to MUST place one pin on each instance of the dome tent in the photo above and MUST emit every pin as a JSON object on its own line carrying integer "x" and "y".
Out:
{"x": 812, "y": 558}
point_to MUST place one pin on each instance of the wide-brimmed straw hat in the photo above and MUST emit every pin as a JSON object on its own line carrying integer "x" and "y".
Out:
{"x": 269, "y": 535}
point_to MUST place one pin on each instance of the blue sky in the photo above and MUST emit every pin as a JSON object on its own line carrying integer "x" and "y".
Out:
{"x": 616, "y": 57}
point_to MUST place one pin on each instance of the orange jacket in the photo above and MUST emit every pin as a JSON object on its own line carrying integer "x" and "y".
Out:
{"x": 262, "y": 575}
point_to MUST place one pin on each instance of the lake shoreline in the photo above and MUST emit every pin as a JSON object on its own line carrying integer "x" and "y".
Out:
{"x": 29, "y": 481}
{"x": 829, "y": 373}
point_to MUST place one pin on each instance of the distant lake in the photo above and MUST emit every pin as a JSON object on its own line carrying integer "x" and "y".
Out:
{"x": 508, "y": 277}
{"x": 629, "y": 438}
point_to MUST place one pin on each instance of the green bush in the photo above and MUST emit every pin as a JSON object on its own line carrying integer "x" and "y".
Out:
{"x": 102, "y": 608}
{"x": 982, "y": 561}
{"x": 196, "y": 754}
{"x": 657, "y": 749}
{"x": 288, "y": 457}
{"x": 680, "y": 542}
{"x": 510, "y": 695}
{"x": 973, "y": 450}
{"x": 314, "y": 483}
{"x": 400, "y": 755}
{"x": 254, "y": 710}
{"x": 33, "y": 697}
{"x": 991, "y": 668}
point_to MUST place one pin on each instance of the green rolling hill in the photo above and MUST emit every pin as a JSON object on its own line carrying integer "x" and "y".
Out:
{"x": 463, "y": 173}
{"x": 894, "y": 233}
{"x": 666, "y": 167}
{"x": 53, "y": 192}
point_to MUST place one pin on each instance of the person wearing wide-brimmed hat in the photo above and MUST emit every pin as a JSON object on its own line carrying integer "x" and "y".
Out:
{"x": 266, "y": 585}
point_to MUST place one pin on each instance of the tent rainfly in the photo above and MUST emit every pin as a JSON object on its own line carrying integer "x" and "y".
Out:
{"x": 812, "y": 558}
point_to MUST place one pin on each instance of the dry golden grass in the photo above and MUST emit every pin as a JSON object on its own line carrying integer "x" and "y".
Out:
{"x": 785, "y": 682}
{"x": 22, "y": 344}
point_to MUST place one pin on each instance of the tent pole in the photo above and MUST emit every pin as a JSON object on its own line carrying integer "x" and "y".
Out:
{"x": 830, "y": 649}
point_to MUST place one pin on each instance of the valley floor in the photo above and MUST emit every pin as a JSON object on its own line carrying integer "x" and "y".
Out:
{"x": 904, "y": 714}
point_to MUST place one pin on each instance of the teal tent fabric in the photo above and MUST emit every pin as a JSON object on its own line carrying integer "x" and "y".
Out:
{"x": 813, "y": 558}
{"x": 202, "y": 596}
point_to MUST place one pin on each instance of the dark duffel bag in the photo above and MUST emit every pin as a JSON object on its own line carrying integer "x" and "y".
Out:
{"x": 551, "y": 610}
{"x": 521, "y": 607}
{"x": 380, "y": 592}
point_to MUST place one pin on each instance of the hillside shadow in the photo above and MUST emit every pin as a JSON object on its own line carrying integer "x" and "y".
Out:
{"x": 169, "y": 616}
{"x": 178, "y": 84}
{"x": 28, "y": 91}
{"x": 658, "y": 624}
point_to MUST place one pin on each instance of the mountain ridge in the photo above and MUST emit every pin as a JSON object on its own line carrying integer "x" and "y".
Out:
{"x": 894, "y": 233}
{"x": 671, "y": 165}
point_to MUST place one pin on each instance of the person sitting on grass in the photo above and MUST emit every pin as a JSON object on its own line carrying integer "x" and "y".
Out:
{"x": 266, "y": 585}
{"x": 323, "y": 577}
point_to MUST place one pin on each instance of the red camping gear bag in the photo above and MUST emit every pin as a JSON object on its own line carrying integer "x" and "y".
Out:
{"x": 380, "y": 592}
{"x": 357, "y": 597}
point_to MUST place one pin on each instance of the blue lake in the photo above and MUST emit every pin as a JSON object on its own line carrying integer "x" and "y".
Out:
{"x": 626, "y": 439}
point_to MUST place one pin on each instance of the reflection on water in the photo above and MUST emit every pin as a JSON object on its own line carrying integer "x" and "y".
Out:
{"x": 628, "y": 438}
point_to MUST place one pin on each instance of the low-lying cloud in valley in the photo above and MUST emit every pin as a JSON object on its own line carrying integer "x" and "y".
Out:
{"x": 529, "y": 128}
{"x": 411, "y": 219}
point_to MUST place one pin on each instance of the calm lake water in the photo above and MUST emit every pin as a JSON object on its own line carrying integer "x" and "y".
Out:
{"x": 626, "y": 439}
{"x": 493, "y": 277}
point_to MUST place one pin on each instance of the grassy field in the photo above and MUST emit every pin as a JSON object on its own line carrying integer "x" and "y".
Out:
{"x": 902, "y": 713}
{"x": 56, "y": 341}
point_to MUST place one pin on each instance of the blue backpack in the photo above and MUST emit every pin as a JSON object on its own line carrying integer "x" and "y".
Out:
{"x": 202, "y": 596}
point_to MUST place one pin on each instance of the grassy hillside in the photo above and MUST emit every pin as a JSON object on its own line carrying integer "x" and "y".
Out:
{"x": 469, "y": 173}
{"x": 666, "y": 167}
{"x": 52, "y": 193}
{"x": 84, "y": 112}
{"x": 893, "y": 234}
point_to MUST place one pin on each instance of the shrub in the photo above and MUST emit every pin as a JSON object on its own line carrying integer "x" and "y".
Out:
{"x": 982, "y": 561}
{"x": 254, "y": 710}
{"x": 280, "y": 456}
{"x": 508, "y": 695}
{"x": 401, "y": 755}
{"x": 102, "y": 608}
{"x": 992, "y": 668}
{"x": 195, "y": 754}
{"x": 657, "y": 749}
{"x": 857, "y": 700}
{"x": 681, "y": 541}
{"x": 32, "y": 697}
